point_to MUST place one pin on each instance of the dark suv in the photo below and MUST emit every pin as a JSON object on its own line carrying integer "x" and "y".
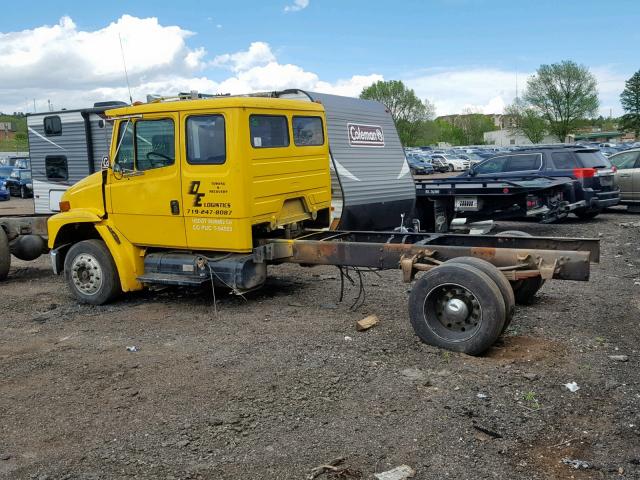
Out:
{"x": 593, "y": 188}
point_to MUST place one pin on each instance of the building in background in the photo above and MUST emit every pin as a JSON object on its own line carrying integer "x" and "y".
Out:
{"x": 506, "y": 138}
{"x": 7, "y": 130}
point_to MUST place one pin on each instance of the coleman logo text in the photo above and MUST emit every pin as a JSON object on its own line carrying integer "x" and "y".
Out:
{"x": 365, "y": 135}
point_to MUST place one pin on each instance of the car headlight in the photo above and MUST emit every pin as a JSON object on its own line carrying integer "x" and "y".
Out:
{"x": 29, "y": 185}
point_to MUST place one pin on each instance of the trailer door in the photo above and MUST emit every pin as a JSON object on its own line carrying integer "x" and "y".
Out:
{"x": 143, "y": 187}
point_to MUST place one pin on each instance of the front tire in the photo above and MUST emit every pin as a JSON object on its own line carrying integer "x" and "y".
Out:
{"x": 450, "y": 168}
{"x": 588, "y": 214}
{"x": 457, "y": 307}
{"x": 91, "y": 273}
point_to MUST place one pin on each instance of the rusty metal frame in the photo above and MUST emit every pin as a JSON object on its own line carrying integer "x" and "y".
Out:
{"x": 516, "y": 257}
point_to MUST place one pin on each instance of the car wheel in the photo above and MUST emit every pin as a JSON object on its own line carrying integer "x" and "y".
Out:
{"x": 457, "y": 307}
{"x": 588, "y": 214}
{"x": 5, "y": 255}
{"x": 450, "y": 168}
{"x": 91, "y": 273}
{"x": 23, "y": 192}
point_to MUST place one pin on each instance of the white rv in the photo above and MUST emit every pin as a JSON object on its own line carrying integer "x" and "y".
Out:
{"x": 65, "y": 147}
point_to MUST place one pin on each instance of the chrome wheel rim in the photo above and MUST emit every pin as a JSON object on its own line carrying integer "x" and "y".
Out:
{"x": 452, "y": 312}
{"x": 86, "y": 274}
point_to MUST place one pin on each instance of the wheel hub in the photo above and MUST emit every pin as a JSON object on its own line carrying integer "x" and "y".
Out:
{"x": 86, "y": 274}
{"x": 455, "y": 311}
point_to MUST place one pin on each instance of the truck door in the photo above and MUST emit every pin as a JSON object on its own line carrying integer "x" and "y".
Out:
{"x": 210, "y": 216}
{"x": 143, "y": 187}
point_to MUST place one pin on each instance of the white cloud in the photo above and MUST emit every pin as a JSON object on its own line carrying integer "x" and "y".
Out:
{"x": 259, "y": 53}
{"x": 297, "y": 5}
{"x": 75, "y": 68}
{"x": 489, "y": 90}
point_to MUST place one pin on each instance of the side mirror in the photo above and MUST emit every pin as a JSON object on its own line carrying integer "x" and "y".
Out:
{"x": 472, "y": 171}
{"x": 117, "y": 168}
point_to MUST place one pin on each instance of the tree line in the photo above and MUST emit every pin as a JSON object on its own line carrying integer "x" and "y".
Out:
{"x": 559, "y": 99}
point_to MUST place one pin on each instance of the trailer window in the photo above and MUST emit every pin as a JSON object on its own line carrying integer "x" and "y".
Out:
{"x": 56, "y": 168}
{"x": 155, "y": 144}
{"x": 206, "y": 144}
{"x": 269, "y": 131}
{"x": 52, "y": 126}
{"x": 307, "y": 131}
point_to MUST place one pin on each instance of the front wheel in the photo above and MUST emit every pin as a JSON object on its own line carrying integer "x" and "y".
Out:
{"x": 588, "y": 214}
{"x": 457, "y": 307}
{"x": 450, "y": 168}
{"x": 91, "y": 273}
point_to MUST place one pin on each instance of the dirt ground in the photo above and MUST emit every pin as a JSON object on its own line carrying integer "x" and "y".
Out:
{"x": 280, "y": 382}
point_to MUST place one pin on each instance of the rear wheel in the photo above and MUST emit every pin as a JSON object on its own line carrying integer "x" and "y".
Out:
{"x": 91, "y": 273}
{"x": 525, "y": 290}
{"x": 498, "y": 278}
{"x": 457, "y": 307}
{"x": 5, "y": 255}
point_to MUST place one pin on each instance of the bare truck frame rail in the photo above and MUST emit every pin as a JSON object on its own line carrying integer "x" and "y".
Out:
{"x": 517, "y": 257}
{"x": 466, "y": 296}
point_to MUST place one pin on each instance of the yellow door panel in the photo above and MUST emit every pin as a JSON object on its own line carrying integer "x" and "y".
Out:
{"x": 143, "y": 187}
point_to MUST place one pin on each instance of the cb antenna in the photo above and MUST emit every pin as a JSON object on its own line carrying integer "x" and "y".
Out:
{"x": 126, "y": 75}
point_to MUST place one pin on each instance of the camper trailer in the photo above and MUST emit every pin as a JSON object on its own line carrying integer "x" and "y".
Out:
{"x": 65, "y": 147}
{"x": 372, "y": 187}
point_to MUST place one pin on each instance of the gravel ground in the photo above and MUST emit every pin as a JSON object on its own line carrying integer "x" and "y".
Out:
{"x": 281, "y": 382}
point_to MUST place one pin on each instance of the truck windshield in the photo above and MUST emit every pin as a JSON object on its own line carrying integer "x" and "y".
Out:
{"x": 593, "y": 159}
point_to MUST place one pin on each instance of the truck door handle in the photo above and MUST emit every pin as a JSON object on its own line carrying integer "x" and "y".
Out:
{"x": 175, "y": 207}
{"x": 625, "y": 175}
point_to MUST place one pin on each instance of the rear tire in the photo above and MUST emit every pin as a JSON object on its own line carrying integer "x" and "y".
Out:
{"x": 498, "y": 278}
{"x": 457, "y": 307}
{"x": 525, "y": 290}
{"x": 91, "y": 273}
{"x": 5, "y": 255}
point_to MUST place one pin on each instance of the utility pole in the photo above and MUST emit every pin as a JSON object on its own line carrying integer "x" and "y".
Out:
{"x": 34, "y": 105}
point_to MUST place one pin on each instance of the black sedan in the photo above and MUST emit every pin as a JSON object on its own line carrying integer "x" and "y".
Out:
{"x": 19, "y": 183}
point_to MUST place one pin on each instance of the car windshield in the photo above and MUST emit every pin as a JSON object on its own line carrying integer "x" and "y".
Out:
{"x": 593, "y": 159}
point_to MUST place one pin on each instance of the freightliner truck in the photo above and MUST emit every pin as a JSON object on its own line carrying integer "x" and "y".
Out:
{"x": 216, "y": 190}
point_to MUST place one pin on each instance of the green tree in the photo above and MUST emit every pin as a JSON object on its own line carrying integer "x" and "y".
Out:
{"x": 564, "y": 93}
{"x": 630, "y": 100}
{"x": 526, "y": 120}
{"x": 404, "y": 105}
{"x": 474, "y": 126}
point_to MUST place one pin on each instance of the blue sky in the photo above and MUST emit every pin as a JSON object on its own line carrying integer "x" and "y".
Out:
{"x": 458, "y": 53}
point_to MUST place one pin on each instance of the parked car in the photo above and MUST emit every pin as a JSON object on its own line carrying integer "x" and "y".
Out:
{"x": 453, "y": 163}
{"x": 627, "y": 164}
{"x": 473, "y": 158}
{"x": 4, "y": 193}
{"x": 594, "y": 187}
{"x": 20, "y": 184}
{"x": 418, "y": 165}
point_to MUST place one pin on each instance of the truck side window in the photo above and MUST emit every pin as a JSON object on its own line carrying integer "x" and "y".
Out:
{"x": 269, "y": 131}
{"x": 564, "y": 160}
{"x": 124, "y": 158}
{"x": 52, "y": 126}
{"x": 56, "y": 168}
{"x": 155, "y": 144}
{"x": 206, "y": 144}
{"x": 307, "y": 131}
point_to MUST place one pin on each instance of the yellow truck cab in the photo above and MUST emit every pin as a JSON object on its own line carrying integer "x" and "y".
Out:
{"x": 189, "y": 185}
